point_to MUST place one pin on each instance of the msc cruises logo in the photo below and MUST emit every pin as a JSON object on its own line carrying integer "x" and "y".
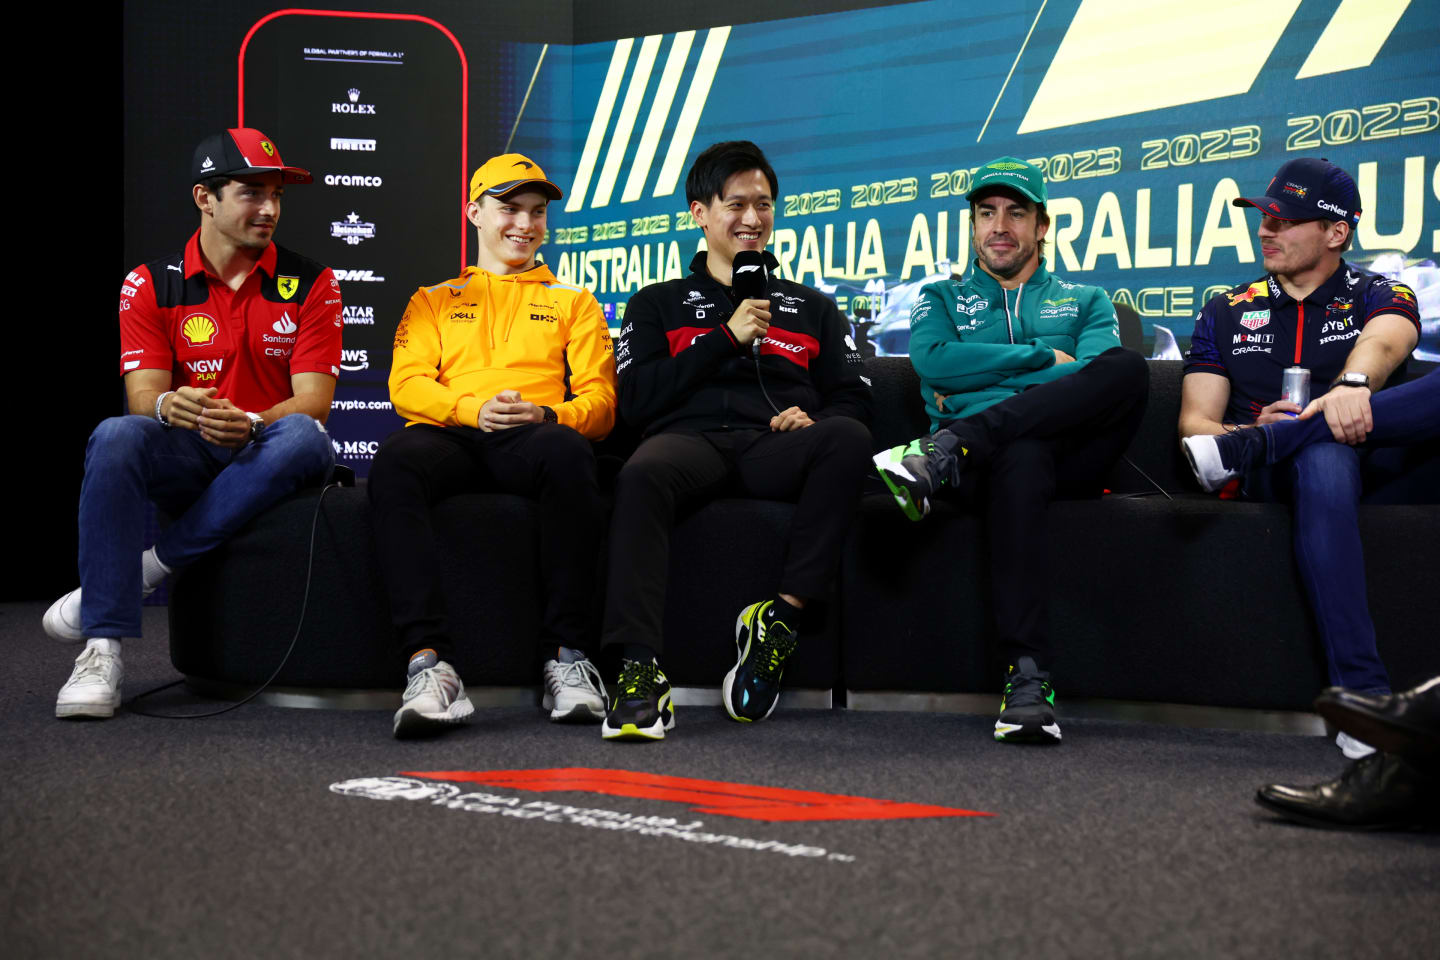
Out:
{"x": 682, "y": 132}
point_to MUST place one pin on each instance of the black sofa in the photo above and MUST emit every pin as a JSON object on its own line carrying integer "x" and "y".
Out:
{"x": 1173, "y": 599}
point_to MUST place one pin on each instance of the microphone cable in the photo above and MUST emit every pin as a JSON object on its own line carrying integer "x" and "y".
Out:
{"x": 304, "y": 605}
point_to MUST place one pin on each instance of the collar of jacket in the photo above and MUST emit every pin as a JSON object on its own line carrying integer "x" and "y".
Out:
{"x": 536, "y": 274}
{"x": 989, "y": 286}
{"x": 1333, "y": 286}
{"x": 698, "y": 268}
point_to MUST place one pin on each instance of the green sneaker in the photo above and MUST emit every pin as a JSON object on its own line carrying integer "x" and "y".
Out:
{"x": 642, "y": 707}
{"x": 914, "y": 471}
{"x": 752, "y": 687}
{"x": 1027, "y": 713}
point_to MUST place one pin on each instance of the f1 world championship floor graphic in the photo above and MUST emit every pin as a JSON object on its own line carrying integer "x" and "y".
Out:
{"x": 738, "y": 800}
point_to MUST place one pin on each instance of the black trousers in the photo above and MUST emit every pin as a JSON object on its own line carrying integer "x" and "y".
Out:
{"x": 1054, "y": 441}
{"x": 421, "y": 465}
{"x": 820, "y": 468}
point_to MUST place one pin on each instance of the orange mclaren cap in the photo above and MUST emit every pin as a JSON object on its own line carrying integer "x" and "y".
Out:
{"x": 510, "y": 172}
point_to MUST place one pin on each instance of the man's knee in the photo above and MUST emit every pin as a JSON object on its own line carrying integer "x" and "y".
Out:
{"x": 845, "y": 439}
{"x": 299, "y": 446}
{"x": 563, "y": 460}
{"x": 1326, "y": 473}
{"x": 1126, "y": 369}
{"x": 119, "y": 436}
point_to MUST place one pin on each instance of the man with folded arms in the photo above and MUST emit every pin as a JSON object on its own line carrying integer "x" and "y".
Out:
{"x": 1031, "y": 398}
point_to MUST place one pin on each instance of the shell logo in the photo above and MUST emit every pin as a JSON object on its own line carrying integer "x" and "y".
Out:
{"x": 199, "y": 330}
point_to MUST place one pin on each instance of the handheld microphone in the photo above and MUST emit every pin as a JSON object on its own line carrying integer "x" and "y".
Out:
{"x": 750, "y": 279}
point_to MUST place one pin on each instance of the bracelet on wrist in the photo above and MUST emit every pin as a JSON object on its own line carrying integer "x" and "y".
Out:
{"x": 159, "y": 408}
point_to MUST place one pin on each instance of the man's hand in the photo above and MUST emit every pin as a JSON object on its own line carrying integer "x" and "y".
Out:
{"x": 1062, "y": 357}
{"x": 506, "y": 410}
{"x": 1277, "y": 412}
{"x": 1347, "y": 410}
{"x": 792, "y": 418}
{"x": 184, "y": 406}
{"x": 750, "y": 320}
{"x": 222, "y": 423}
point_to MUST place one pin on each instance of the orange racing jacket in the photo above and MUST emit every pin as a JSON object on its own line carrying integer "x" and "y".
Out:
{"x": 463, "y": 341}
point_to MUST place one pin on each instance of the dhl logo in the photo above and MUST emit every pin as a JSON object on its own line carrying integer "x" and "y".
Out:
{"x": 1256, "y": 289}
{"x": 681, "y": 134}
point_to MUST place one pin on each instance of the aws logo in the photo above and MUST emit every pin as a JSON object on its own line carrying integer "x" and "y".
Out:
{"x": 682, "y": 130}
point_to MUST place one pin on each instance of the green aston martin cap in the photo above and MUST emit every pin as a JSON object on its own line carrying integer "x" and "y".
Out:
{"x": 1012, "y": 173}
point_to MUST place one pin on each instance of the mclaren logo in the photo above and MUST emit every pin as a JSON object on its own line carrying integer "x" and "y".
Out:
{"x": 657, "y": 122}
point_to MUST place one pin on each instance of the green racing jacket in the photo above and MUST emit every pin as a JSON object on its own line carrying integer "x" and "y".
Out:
{"x": 974, "y": 343}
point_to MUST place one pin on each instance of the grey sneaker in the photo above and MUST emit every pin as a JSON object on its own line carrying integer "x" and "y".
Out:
{"x": 93, "y": 689}
{"x": 434, "y": 701}
{"x": 574, "y": 692}
{"x": 915, "y": 470}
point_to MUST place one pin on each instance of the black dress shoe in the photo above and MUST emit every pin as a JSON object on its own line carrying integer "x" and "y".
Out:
{"x": 1380, "y": 792}
{"x": 1406, "y": 723}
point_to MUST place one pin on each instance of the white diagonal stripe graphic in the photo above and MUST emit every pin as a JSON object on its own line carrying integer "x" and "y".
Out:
{"x": 1119, "y": 57}
{"x": 690, "y": 112}
{"x": 599, "y": 123}
{"x": 659, "y": 113}
{"x": 625, "y": 125}
{"x": 1353, "y": 36}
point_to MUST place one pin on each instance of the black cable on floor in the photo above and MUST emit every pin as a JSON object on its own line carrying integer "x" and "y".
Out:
{"x": 1153, "y": 483}
{"x": 304, "y": 605}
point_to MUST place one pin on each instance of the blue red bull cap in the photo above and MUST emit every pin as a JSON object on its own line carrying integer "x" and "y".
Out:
{"x": 1308, "y": 189}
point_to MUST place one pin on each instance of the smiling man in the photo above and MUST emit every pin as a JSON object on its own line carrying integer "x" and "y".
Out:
{"x": 1353, "y": 331}
{"x": 757, "y": 397}
{"x": 1031, "y": 398}
{"x": 505, "y": 376}
{"x": 229, "y": 351}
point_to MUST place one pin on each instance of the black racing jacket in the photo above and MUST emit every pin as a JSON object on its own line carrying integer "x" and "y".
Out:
{"x": 680, "y": 368}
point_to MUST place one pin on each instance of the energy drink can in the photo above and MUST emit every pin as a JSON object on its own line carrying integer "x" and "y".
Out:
{"x": 1296, "y": 386}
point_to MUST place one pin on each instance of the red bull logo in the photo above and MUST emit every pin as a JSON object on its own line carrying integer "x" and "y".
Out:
{"x": 1256, "y": 289}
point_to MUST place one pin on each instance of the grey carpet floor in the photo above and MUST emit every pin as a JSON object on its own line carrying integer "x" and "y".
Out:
{"x": 137, "y": 837}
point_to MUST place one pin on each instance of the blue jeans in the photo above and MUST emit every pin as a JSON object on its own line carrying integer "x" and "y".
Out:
{"x": 211, "y": 491}
{"x": 1325, "y": 482}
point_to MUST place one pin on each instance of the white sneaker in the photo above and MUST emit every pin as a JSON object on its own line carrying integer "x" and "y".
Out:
{"x": 574, "y": 692}
{"x": 434, "y": 700}
{"x": 1352, "y": 748}
{"x": 93, "y": 689}
{"x": 62, "y": 620}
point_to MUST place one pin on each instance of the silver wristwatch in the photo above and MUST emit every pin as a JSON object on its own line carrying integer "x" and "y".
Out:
{"x": 1352, "y": 380}
{"x": 256, "y": 425}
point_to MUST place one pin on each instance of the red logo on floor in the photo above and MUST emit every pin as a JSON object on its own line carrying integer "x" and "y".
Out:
{"x": 742, "y": 800}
